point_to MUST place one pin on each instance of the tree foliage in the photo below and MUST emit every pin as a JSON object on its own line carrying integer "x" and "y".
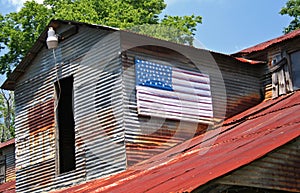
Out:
{"x": 7, "y": 115}
{"x": 172, "y": 28}
{"x": 19, "y": 30}
{"x": 292, "y": 9}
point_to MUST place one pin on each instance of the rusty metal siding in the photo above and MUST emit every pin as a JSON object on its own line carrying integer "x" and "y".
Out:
{"x": 92, "y": 57}
{"x": 233, "y": 83}
{"x": 149, "y": 136}
{"x": 109, "y": 135}
{"x": 9, "y": 152}
{"x": 243, "y": 83}
{"x": 278, "y": 170}
{"x": 99, "y": 106}
{"x": 196, "y": 163}
{"x": 8, "y": 162}
{"x": 35, "y": 147}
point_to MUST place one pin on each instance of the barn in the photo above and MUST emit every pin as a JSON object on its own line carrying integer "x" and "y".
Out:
{"x": 112, "y": 110}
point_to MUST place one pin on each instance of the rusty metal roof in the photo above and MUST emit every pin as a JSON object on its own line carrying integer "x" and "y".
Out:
{"x": 249, "y": 61}
{"x": 239, "y": 141}
{"x": 6, "y": 143}
{"x": 8, "y": 187}
{"x": 267, "y": 44}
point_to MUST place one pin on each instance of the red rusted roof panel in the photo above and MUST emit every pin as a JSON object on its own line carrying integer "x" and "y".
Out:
{"x": 8, "y": 187}
{"x": 266, "y": 44}
{"x": 6, "y": 143}
{"x": 241, "y": 140}
{"x": 249, "y": 61}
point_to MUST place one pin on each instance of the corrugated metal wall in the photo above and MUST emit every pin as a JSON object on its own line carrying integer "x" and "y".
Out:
{"x": 92, "y": 57}
{"x": 243, "y": 83}
{"x": 105, "y": 107}
{"x": 35, "y": 144}
{"x": 278, "y": 170}
{"x": 232, "y": 82}
{"x": 149, "y": 136}
{"x": 9, "y": 153}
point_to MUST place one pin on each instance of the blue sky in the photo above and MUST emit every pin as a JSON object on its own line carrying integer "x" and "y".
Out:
{"x": 228, "y": 25}
{"x": 232, "y": 25}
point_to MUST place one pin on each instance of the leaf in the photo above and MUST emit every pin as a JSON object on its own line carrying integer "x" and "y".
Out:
{"x": 292, "y": 9}
{"x": 19, "y": 30}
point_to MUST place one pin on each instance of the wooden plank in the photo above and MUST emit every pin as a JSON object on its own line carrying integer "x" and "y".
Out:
{"x": 2, "y": 168}
{"x": 281, "y": 82}
{"x": 288, "y": 79}
{"x": 274, "y": 85}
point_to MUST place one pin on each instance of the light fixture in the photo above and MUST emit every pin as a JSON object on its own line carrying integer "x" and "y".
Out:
{"x": 52, "y": 39}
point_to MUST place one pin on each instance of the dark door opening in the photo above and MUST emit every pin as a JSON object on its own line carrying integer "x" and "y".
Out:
{"x": 65, "y": 121}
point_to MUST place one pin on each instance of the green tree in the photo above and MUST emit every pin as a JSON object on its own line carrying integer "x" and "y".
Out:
{"x": 172, "y": 28}
{"x": 19, "y": 30}
{"x": 292, "y": 9}
{"x": 7, "y": 115}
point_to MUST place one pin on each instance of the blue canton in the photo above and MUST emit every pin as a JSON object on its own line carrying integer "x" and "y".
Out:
{"x": 153, "y": 75}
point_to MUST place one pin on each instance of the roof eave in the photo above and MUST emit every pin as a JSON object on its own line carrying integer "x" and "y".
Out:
{"x": 10, "y": 82}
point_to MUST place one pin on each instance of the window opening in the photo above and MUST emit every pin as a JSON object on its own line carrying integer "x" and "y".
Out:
{"x": 295, "y": 60}
{"x": 65, "y": 125}
{"x": 276, "y": 58}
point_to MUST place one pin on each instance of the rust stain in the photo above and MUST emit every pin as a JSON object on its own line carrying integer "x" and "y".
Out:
{"x": 167, "y": 136}
{"x": 8, "y": 187}
{"x": 41, "y": 117}
{"x": 238, "y": 105}
{"x": 265, "y": 45}
{"x": 276, "y": 122}
{"x": 109, "y": 120}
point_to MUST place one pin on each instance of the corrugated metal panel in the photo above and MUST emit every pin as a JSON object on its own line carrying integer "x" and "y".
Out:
{"x": 185, "y": 56}
{"x": 149, "y": 136}
{"x": 99, "y": 106}
{"x": 10, "y": 83}
{"x": 245, "y": 138}
{"x": 7, "y": 143}
{"x": 2, "y": 168}
{"x": 105, "y": 107}
{"x": 8, "y": 160}
{"x": 9, "y": 152}
{"x": 242, "y": 83}
{"x": 278, "y": 170}
{"x": 35, "y": 143}
{"x": 92, "y": 57}
{"x": 267, "y": 44}
{"x": 8, "y": 187}
{"x": 233, "y": 83}
{"x": 237, "y": 82}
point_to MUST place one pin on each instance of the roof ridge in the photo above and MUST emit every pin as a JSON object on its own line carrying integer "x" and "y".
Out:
{"x": 266, "y": 44}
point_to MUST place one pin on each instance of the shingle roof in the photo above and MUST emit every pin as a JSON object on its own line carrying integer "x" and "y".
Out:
{"x": 239, "y": 141}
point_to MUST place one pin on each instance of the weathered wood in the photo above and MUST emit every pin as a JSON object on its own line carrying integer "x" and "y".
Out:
{"x": 2, "y": 168}
{"x": 281, "y": 82}
{"x": 275, "y": 85}
{"x": 288, "y": 79}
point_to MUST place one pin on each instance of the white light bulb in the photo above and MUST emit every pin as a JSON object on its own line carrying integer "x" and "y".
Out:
{"x": 52, "y": 40}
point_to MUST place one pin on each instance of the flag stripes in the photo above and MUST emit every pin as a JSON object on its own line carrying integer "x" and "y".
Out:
{"x": 174, "y": 93}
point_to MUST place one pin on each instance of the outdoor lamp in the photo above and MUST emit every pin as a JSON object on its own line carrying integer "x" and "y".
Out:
{"x": 52, "y": 39}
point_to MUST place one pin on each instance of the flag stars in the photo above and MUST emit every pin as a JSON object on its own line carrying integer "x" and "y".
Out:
{"x": 153, "y": 75}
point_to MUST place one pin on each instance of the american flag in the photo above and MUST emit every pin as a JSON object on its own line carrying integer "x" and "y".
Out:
{"x": 174, "y": 93}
